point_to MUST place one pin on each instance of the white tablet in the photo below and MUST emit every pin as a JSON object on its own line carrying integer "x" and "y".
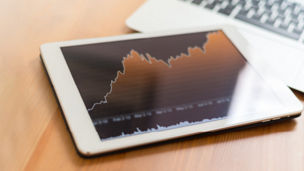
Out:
{"x": 124, "y": 91}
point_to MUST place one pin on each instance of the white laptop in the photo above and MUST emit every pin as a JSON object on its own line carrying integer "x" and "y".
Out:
{"x": 274, "y": 28}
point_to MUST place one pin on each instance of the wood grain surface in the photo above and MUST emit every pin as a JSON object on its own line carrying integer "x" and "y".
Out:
{"x": 33, "y": 135}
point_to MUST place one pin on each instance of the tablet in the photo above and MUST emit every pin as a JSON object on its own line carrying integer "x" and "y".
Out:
{"x": 124, "y": 91}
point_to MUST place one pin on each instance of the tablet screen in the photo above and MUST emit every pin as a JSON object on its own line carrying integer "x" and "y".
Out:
{"x": 143, "y": 85}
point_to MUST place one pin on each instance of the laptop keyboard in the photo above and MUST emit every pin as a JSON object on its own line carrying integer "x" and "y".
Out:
{"x": 283, "y": 17}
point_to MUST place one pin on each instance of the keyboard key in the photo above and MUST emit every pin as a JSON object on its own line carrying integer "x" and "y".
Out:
{"x": 294, "y": 22}
{"x": 197, "y": 2}
{"x": 271, "y": 18}
{"x": 243, "y": 12}
{"x": 211, "y": 5}
{"x": 255, "y": 3}
{"x": 268, "y": 7}
{"x": 299, "y": 28}
{"x": 227, "y": 10}
{"x": 256, "y": 17}
{"x": 280, "y": 18}
{"x": 281, "y": 11}
{"x": 241, "y": 3}
{"x": 270, "y": 22}
{"x": 284, "y": 26}
{"x": 294, "y": 15}
{"x": 297, "y": 31}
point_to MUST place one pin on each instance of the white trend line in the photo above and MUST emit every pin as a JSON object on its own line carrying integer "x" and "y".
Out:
{"x": 105, "y": 97}
{"x": 111, "y": 87}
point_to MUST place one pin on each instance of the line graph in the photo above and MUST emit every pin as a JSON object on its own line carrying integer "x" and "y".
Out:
{"x": 135, "y": 62}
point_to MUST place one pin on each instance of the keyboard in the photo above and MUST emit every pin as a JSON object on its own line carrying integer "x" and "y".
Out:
{"x": 282, "y": 17}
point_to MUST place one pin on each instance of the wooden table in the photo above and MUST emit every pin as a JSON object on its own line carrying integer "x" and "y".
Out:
{"x": 32, "y": 131}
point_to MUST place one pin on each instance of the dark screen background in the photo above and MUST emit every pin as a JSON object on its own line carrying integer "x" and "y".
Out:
{"x": 198, "y": 91}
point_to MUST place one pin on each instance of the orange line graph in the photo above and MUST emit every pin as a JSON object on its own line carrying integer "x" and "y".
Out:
{"x": 142, "y": 71}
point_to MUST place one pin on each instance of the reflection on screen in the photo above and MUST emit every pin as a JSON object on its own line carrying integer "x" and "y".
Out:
{"x": 152, "y": 84}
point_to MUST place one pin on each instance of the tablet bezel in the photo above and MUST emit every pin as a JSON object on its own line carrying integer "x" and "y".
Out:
{"x": 81, "y": 126}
